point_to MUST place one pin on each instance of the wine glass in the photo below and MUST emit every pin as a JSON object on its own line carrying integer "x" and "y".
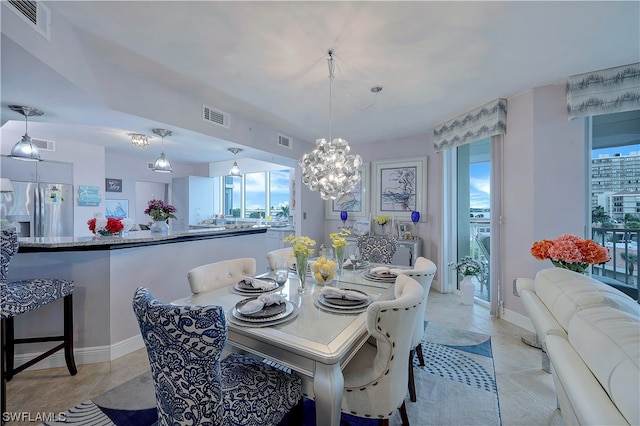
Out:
{"x": 344, "y": 215}
{"x": 281, "y": 272}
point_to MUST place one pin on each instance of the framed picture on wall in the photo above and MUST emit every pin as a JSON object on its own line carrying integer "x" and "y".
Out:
{"x": 118, "y": 209}
{"x": 112, "y": 185}
{"x": 354, "y": 202}
{"x": 399, "y": 187}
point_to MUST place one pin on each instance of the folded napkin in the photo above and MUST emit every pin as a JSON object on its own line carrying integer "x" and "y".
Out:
{"x": 347, "y": 263}
{"x": 379, "y": 270}
{"x": 261, "y": 284}
{"x": 263, "y": 300}
{"x": 337, "y": 293}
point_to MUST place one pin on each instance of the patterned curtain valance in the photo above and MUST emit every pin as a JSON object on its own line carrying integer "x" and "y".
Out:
{"x": 488, "y": 120}
{"x": 604, "y": 92}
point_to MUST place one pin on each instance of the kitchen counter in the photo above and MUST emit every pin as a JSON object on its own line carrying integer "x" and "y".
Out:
{"x": 107, "y": 270}
{"x": 132, "y": 239}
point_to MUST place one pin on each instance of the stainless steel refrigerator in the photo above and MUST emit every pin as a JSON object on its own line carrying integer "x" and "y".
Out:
{"x": 41, "y": 209}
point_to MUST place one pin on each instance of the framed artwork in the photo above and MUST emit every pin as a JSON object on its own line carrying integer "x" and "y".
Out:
{"x": 355, "y": 202}
{"x": 118, "y": 209}
{"x": 399, "y": 187}
{"x": 112, "y": 185}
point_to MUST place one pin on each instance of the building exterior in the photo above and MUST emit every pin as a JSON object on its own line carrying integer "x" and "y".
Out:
{"x": 615, "y": 182}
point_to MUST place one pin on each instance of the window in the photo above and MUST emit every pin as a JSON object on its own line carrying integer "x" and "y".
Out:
{"x": 247, "y": 196}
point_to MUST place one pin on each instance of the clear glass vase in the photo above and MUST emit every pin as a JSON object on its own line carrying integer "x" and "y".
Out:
{"x": 159, "y": 227}
{"x": 339, "y": 259}
{"x": 301, "y": 270}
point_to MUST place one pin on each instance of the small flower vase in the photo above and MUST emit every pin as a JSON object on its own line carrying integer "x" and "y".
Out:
{"x": 159, "y": 227}
{"x": 468, "y": 289}
{"x": 301, "y": 270}
{"x": 339, "y": 259}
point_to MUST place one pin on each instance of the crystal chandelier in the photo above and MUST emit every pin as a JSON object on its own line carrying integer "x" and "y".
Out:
{"x": 139, "y": 140}
{"x": 329, "y": 169}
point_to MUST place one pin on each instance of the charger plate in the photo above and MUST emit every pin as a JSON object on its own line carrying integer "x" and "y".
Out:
{"x": 266, "y": 311}
{"x": 381, "y": 278}
{"x": 335, "y": 310}
{"x": 347, "y": 304}
{"x": 247, "y": 289}
{"x": 291, "y": 311}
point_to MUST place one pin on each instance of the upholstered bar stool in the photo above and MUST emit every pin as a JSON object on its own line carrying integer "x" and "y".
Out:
{"x": 20, "y": 297}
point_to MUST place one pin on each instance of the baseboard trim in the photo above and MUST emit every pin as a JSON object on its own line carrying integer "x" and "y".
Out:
{"x": 518, "y": 319}
{"x": 82, "y": 356}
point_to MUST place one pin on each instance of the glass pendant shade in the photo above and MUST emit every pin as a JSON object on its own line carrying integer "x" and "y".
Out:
{"x": 25, "y": 150}
{"x": 162, "y": 165}
{"x": 6, "y": 185}
{"x": 235, "y": 170}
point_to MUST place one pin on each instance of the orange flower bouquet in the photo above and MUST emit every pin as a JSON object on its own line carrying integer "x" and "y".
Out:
{"x": 570, "y": 252}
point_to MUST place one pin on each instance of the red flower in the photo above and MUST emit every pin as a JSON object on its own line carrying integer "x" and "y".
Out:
{"x": 114, "y": 225}
{"x": 570, "y": 251}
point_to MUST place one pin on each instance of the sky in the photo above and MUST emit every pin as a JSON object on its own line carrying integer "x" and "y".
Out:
{"x": 479, "y": 175}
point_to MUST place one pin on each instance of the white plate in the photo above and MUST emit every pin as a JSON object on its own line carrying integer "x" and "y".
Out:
{"x": 288, "y": 310}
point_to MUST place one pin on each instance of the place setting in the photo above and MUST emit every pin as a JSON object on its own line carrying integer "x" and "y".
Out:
{"x": 342, "y": 301}
{"x": 262, "y": 311}
{"x": 256, "y": 286}
{"x": 382, "y": 274}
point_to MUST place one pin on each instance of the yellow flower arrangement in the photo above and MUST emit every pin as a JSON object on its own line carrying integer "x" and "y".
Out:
{"x": 382, "y": 220}
{"x": 302, "y": 246}
{"x": 338, "y": 239}
{"x": 339, "y": 242}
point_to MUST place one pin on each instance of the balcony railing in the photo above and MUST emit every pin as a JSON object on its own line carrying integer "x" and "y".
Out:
{"x": 621, "y": 271}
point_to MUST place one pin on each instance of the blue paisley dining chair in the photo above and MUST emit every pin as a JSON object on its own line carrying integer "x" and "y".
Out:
{"x": 377, "y": 248}
{"x": 20, "y": 297}
{"x": 193, "y": 385}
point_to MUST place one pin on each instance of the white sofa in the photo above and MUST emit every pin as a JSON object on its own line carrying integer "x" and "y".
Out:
{"x": 591, "y": 333}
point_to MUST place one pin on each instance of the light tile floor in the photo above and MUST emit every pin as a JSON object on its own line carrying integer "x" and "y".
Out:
{"x": 526, "y": 393}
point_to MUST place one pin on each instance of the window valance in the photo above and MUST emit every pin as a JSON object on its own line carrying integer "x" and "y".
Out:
{"x": 604, "y": 92}
{"x": 488, "y": 120}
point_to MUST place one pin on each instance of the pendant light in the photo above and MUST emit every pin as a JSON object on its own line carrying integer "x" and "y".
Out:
{"x": 329, "y": 169}
{"x": 162, "y": 165}
{"x": 235, "y": 170}
{"x": 25, "y": 150}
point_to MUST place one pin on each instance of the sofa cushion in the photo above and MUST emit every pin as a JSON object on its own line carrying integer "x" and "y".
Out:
{"x": 608, "y": 340}
{"x": 566, "y": 292}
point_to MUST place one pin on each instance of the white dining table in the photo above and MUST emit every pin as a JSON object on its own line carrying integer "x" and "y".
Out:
{"x": 316, "y": 344}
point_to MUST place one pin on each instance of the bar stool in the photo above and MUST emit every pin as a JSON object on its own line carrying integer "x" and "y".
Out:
{"x": 19, "y": 297}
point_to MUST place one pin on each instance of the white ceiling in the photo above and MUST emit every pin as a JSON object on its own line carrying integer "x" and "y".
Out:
{"x": 267, "y": 61}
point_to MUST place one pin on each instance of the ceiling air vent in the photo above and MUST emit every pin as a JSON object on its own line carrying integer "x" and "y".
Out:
{"x": 44, "y": 145}
{"x": 215, "y": 116}
{"x": 285, "y": 141}
{"x": 35, "y": 14}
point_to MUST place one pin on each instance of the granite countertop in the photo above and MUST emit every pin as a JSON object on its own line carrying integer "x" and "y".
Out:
{"x": 131, "y": 239}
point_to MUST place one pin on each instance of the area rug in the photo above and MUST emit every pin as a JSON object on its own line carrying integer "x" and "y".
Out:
{"x": 457, "y": 386}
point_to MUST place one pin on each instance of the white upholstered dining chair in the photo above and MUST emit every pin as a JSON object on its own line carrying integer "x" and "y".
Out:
{"x": 375, "y": 380}
{"x": 220, "y": 274}
{"x": 280, "y": 256}
{"x": 423, "y": 272}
